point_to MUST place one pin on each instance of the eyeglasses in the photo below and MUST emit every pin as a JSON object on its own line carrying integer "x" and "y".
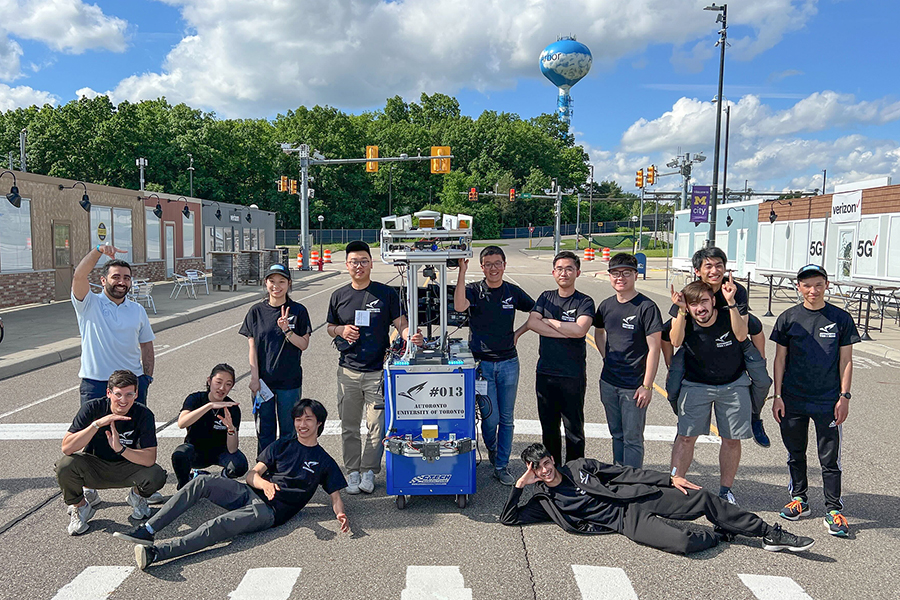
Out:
{"x": 493, "y": 265}
{"x": 128, "y": 396}
{"x": 566, "y": 270}
{"x": 359, "y": 263}
{"x": 622, "y": 274}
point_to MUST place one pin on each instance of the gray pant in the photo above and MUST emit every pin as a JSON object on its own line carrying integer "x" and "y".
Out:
{"x": 626, "y": 424}
{"x": 247, "y": 513}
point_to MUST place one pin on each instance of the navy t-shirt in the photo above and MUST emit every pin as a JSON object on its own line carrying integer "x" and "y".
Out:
{"x": 812, "y": 378}
{"x": 714, "y": 356}
{"x": 627, "y": 325}
{"x": 278, "y": 358}
{"x": 383, "y": 305}
{"x": 740, "y": 298}
{"x": 563, "y": 357}
{"x": 298, "y": 470}
{"x": 208, "y": 434}
{"x": 137, "y": 434}
{"x": 492, "y": 316}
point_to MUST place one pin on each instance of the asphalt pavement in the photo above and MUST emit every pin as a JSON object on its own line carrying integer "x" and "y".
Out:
{"x": 433, "y": 549}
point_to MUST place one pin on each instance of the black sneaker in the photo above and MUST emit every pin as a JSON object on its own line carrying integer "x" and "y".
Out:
{"x": 138, "y": 535}
{"x": 722, "y": 535}
{"x": 759, "y": 433}
{"x": 144, "y": 556}
{"x": 778, "y": 539}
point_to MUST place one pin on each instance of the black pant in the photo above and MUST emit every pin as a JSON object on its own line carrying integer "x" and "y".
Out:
{"x": 186, "y": 457}
{"x": 642, "y": 524}
{"x": 795, "y": 434}
{"x": 561, "y": 398}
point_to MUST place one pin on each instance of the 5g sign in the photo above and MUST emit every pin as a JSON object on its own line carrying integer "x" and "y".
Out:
{"x": 815, "y": 249}
{"x": 865, "y": 248}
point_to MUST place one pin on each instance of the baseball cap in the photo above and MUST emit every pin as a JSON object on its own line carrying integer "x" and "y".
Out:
{"x": 278, "y": 269}
{"x": 623, "y": 260}
{"x": 812, "y": 270}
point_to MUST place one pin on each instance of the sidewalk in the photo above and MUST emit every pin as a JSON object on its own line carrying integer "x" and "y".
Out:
{"x": 44, "y": 334}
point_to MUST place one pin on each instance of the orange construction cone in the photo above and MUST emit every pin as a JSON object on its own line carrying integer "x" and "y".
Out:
{"x": 299, "y": 260}
{"x": 588, "y": 254}
{"x": 314, "y": 256}
{"x": 327, "y": 256}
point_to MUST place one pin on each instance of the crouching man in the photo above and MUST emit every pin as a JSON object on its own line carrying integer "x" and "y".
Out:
{"x": 110, "y": 444}
{"x": 284, "y": 479}
{"x": 589, "y": 497}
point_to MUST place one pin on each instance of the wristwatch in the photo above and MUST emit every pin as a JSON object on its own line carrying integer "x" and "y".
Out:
{"x": 731, "y": 306}
{"x": 846, "y": 395}
{"x": 122, "y": 451}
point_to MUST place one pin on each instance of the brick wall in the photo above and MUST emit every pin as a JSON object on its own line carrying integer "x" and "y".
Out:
{"x": 27, "y": 288}
{"x": 183, "y": 264}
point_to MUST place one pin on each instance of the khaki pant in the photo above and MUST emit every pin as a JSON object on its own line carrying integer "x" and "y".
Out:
{"x": 357, "y": 391}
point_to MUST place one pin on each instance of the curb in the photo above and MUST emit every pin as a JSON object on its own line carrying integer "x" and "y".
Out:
{"x": 69, "y": 349}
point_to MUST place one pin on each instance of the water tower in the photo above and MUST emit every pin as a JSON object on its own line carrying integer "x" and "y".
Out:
{"x": 564, "y": 63}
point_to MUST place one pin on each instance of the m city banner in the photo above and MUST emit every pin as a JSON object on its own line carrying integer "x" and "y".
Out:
{"x": 430, "y": 396}
{"x": 700, "y": 204}
{"x": 846, "y": 207}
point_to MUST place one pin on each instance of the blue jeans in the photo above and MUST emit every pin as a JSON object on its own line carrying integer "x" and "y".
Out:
{"x": 268, "y": 428}
{"x": 626, "y": 424}
{"x": 91, "y": 389}
{"x": 497, "y": 429}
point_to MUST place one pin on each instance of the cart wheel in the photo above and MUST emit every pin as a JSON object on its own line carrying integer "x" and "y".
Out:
{"x": 401, "y": 501}
{"x": 461, "y": 500}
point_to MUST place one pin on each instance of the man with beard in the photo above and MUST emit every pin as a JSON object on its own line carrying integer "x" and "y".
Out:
{"x": 115, "y": 332}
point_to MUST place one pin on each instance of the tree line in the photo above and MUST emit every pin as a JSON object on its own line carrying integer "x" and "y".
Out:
{"x": 239, "y": 160}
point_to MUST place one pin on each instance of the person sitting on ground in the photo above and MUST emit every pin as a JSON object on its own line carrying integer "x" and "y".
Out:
{"x": 278, "y": 487}
{"x": 212, "y": 420}
{"x": 589, "y": 497}
{"x": 110, "y": 444}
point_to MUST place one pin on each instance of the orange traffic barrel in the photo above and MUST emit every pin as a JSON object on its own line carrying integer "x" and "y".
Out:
{"x": 314, "y": 256}
{"x": 299, "y": 260}
{"x": 327, "y": 256}
{"x": 588, "y": 254}
{"x": 606, "y": 254}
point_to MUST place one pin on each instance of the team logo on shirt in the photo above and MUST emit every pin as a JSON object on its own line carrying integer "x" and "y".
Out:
{"x": 827, "y": 331}
{"x": 507, "y": 303}
{"x": 413, "y": 390}
{"x": 584, "y": 477}
{"x": 569, "y": 315}
{"x": 123, "y": 438}
{"x": 373, "y": 306}
{"x": 722, "y": 341}
{"x": 307, "y": 465}
{"x": 627, "y": 322}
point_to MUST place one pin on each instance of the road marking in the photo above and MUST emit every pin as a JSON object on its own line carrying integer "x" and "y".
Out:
{"x": 75, "y": 387}
{"x": 94, "y": 583}
{"x": 435, "y": 583}
{"x": 769, "y": 587}
{"x": 603, "y": 583}
{"x": 270, "y": 583}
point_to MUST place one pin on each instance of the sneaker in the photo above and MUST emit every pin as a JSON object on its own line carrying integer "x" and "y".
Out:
{"x": 778, "y": 539}
{"x": 759, "y": 433}
{"x": 367, "y": 484}
{"x": 139, "y": 504}
{"x": 139, "y": 535}
{"x": 78, "y": 518}
{"x": 728, "y": 497}
{"x": 794, "y": 509}
{"x": 92, "y": 497}
{"x": 144, "y": 556}
{"x": 156, "y": 498}
{"x": 503, "y": 476}
{"x": 722, "y": 535}
{"x": 836, "y": 523}
{"x": 353, "y": 481}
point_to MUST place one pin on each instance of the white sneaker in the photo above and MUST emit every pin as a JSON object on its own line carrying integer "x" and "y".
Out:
{"x": 367, "y": 484}
{"x": 92, "y": 496}
{"x": 79, "y": 516}
{"x": 353, "y": 483}
{"x": 139, "y": 504}
{"x": 156, "y": 498}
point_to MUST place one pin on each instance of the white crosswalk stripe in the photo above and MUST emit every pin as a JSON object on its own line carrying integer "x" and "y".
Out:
{"x": 269, "y": 583}
{"x": 603, "y": 583}
{"x": 769, "y": 587}
{"x": 94, "y": 583}
{"x": 435, "y": 583}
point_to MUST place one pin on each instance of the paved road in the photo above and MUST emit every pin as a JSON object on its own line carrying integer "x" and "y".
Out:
{"x": 432, "y": 549}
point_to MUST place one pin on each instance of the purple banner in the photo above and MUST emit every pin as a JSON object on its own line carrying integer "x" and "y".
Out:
{"x": 700, "y": 204}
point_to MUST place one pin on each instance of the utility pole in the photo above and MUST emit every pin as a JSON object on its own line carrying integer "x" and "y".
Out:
{"x": 191, "y": 171}
{"x": 556, "y": 228}
{"x": 591, "y": 211}
{"x": 23, "y": 137}
{"x": 641, "y": 227}
{"x": 141, "y": 163}
{"x": 714, "y": 192}
{"x": 577, "y": 221}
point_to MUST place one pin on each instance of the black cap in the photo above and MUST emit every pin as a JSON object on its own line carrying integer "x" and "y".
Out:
{"x": 278, "y": 269}
{"x": 622, "y": 260}
{"x": 812, "y": 271}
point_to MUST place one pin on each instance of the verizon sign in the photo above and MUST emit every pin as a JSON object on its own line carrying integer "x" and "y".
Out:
{"x": 846, "y": 207}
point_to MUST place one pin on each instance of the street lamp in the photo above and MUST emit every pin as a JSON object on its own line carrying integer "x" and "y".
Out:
{"x": 728, "y": 219}
{"x": 714, "y": 193}
{"x": 321, "y": 243}
{"x": 85, "y": 202}
{"x": 13, "y": 196}
{"x": 634, "y": 222}
{"x": 158, "y": 210}
{"x": 185, "y": 211}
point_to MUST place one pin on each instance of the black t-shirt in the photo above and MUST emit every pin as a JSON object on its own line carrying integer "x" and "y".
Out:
{"x": 714, "y": 356}
{"x": 492, "y": 315}
{"x": 812, "y": 378}
{"x": 383, "y": 305}
{"x": 298, "y": 470}
{"x": 754, "y": 325}
{"x": 577, "y": 505}
{"x": 740, "y": 298}
{"x": 627, "y": 326}
{"x": 138, "y": 433}
{"x": 563, "y": 357}
{"x": 278, "y": 358}
{"x": 208, "y": 434}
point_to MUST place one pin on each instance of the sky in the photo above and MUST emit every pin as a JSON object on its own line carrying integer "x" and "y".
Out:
{"x": 811, "y": 83}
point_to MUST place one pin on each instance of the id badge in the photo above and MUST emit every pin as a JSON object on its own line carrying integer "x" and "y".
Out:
{"x": 481, "y": 387}
{"x": 362, "y": 318}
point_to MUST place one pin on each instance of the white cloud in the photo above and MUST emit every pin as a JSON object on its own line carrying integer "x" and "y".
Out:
{"x": 63, "y": 25}
{"x": 14, "y": 97}
{"x": 10, "y": 52}
{"x": 87, "y": 92}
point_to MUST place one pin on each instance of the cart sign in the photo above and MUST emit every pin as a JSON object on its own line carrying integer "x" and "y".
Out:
{"x": 846, "y": 207}
{"x": 430, "y": 396}
{"x": 700, "y": 204}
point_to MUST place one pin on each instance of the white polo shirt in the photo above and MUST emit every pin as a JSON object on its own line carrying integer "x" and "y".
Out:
{"x": 111, "y": 335}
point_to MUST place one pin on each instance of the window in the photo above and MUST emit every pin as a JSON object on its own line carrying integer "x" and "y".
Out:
{"x": 764, "y": 249}
{"x": 15, "y": 237}
{"x": 187, "y": 235}
{"x": 867, "y": 247}
{"x": 122, "y": 231}
{"x": 801, "y": 245}
{"x": 684, "y": 241}
{"x": 153, "y": 246}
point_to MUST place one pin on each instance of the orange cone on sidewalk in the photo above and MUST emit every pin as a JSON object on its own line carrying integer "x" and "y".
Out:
{"x": 327, "y": 256}
{"x": 314, "y": 256}
{"x": 299, "y": 260}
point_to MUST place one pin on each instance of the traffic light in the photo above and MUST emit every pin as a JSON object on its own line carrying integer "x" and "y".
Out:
{"x": 512, "y": 194}
{"x": 283, "y": 184}
{"x": 651, "y": 175}
{"x": 440, "y": 165}
{"x": 371, "y": 152}
{"x": 473, "y": 194}
{"x": 293, "y": 186}
{"x": 639, "y": 179}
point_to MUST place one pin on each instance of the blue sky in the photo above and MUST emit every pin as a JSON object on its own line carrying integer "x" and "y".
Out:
{"x": 811, "y": 82}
